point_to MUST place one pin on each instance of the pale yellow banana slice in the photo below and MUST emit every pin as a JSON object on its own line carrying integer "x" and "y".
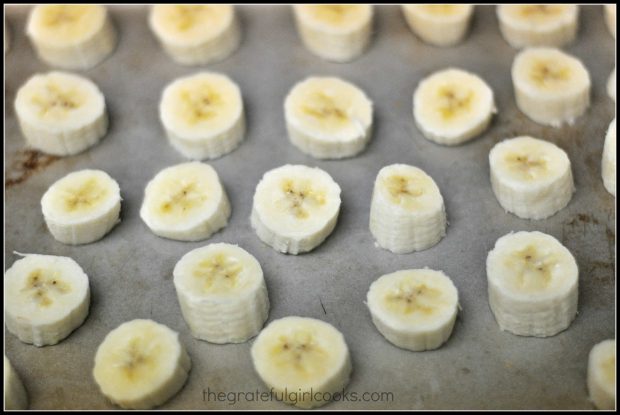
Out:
{"x": 46, "y": 298}
{"x": 71, "y": 36}
{"x": 15, "y": 397}
{"x": 525, "y": 25}
{"x": 60, "y": 113}
{"x": 601, "y": 378}
{"x": 335, "y": 32}
{"x": 439, "y": 24}
{"x": 185, "y": 202}
{"x": 610, "y": 18}
{"x": 222, "y": 293}
{"x": 608, "y": 163}
{"x": 328, "y": 118}
{"x": 141, "y": 364}
{"x": 611, "y": 85}
{"x": 303, "y": 360}
{"x": 295, "y": 208}
{"x": 196, "y": 34}
{"x": 203, "y": 115}
{"x": 551, "y": 87}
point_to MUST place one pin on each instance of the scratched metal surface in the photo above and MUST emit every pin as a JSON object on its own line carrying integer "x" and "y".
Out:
{"x": 130, "y": 269}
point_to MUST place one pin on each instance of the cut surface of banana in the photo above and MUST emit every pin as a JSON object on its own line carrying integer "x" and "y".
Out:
{"x": 551, "y": 87}
{"x": 611, "y": 85}
{"x": 531, "y": 178}
{"x": 203, "y": 115}
{"x": 601, "y": 379}
{"x": 525, "y": 25}
{"x": 71, "y": 36}
{"x": 295, "y": 208}
{"x": 328, "y": 118}
{"x": 222, "y": 293}
{"x": 414, "y": 309}
{"x": 439, "y": 24}
{"x": 304, "y": 357}
{"x": 46, "y": 298}
{"x": 196, "y": 34}
{"x": 185, "y": 202}
{"x": 452, "y": 106}
{"x": 610, "y": 18}
{"x": 608, "y": 164}
{"x": 335, "y": 32}
{"x": 61, "y": 113}
{"x": 532, "y": 283}
{"x": 141, "y": 364}
{"x": 82, "y": 207}
{"x": 407, "y": 212}
{"x": 15, "y": 397}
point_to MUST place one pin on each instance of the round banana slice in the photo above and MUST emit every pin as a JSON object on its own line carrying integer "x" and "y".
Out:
{"x": 141, "y": 364}
{"x": 551, "y": 87}
{"x": 82, "y": 207}
{"x": 601, "y": 378}
{"x": 304, "y": 360}
{"x": 407, "y": 212}
{"x": 195, "y": 34}
{"x": 608, "y": 164}
{"x": 222, "y": 293}
{"x": 335, "y": 32}
{"x": 61, "y": 113}
{"x": 453, "y": 106}
{"x": 439, "y": 24}
{"x": 610, "y": 18}
{"x": 532, "y": 283}
{"x": 185, "y": 202}
{"x": 328, "y": 118}
{"x": 15, "y": 397}
{"x": 611, "y": 85}
{"x": 46, "y": 298}
{"x": 531, "y": 178}
{"x": 295, "y": 208}
{"x": 71, "y": 36}
{"x": 203, "y": 115}
{"x": 525, "y": 25}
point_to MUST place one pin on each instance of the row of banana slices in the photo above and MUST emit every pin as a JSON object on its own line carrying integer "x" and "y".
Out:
{"x": 81, "y": 36}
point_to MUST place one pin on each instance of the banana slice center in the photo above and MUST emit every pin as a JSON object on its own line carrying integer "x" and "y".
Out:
{"x": 410, "y": 298}
{"x": 54, "y": 102}
{"x": 404, "y": 191}
{"x": 41, "y": 283}
{"x": 440, "y": 9}
{"x": 302, "y": 352}
{"x": 527, "y": 166}
{"x": 63, "y": 17}
{"x": 533, "y": 269}
{"x": 182, "y": 200}
{"x": 185, "y": 17}
{"x": 452, "y": 101}
{"x": 83, "y": 197}
{"x": 539, "y": 11}
{"x": 609, "y": 370}
{"x": 323, "y": 107}
{"x": 135, "y": 358}
{"x": 333, "y": 13}
{"x": 218, "y": 274}
{"x": 549, "y": 74}
{"x": 202, "y": 104}
{"x": 300, "y": 197}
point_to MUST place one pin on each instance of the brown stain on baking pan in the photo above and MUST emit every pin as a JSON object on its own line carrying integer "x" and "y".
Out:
{"x": 25, "y": 164}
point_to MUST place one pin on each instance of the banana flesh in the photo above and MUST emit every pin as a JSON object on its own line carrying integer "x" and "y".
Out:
{"x": 439, "y": 24}
{"x": 553, "y": 25}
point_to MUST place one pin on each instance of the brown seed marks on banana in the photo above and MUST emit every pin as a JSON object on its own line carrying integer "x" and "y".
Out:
{"x": 301, "y": 349}
{"x": 201, "y": 104}
{"x": 403, "y": 190}
{"x": 218, "y": 273}
{"x": 534, "y": 268}
{"x": 39, "y": 284}
{"x": 183, "y": 199}
{"x": 452, "y": 102}
{"x": 548, "y": 74}
{"x": 88, "y": 194}
{"x": 323, "y": 107}
{"x": 406, "y": 299}
{"x": 527, "y": 166}
{"x": 299, "y": 195}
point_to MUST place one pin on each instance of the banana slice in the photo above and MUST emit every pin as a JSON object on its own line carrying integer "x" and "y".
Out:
{"x": 196, "y": 34}
{"x": 15, "y": 397}
{"x": 203, "y": 115}
{"x": 328, "y": 118}
{"x": 335, "y": 32}
{"x": 611, "y": 85}
{"x": 303, "y": 359}
{"x": 82, "y": 207}
{"x": 610, "y": 18}
{"x": 61, "y": 113}
{"x": 551, "y": 87}
{"x": 407, "y": 212}
{"x": 602, "y": 375}
{"x": 71, "y": 36}
{"x": 46, "y": 298}
{"x": 532, "y": 283}
{"x": 222, "y": 293}
{"x": 185, "y": 202}
{"x": 439, "y": 24}
{"x": 525, "y": 25}
{"x": 141, "y": 364}
{"x": 452, "y": 106}
{"x": 295, "y": 208}
{"x": 608, "y": 164}
{"x": 531, "y": 178}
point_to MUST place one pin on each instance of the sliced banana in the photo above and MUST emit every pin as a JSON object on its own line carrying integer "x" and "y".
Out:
{"x": 141, "y": 364}
{"x": 453, "y": 106}
{"x": 295, "y": 208}
{"x": 525, "y": 25}
{"x": 601, "y": 378}
{"x": 531, "y": 178}
{"x": 335, "y": 32}
{"x": 61, "y": 113}
{"x": 328, "y": 118}
{"x": 611, "y": 85}
{"x": 15, "y": 397}
{"x": 551, "y": 87}
{"x": 304, "y": 360}
{"x": 222, "y": 293}
{"x": 203, "y": 115}
{"x": 196, "y": 34}
{"x": 46, "y": 298}
{"x": 439, "y": 24}
{"x": 407, "y": 212}
{"x": 610, "y": 18}
{"x": 532, "y": 284}
{"x": 608, "y": 164}
{"x": 185, "y": 202}
{"x": 71, "y": 36}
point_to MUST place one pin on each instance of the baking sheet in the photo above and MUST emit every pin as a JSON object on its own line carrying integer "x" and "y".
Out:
{"x": 130, "y": 270}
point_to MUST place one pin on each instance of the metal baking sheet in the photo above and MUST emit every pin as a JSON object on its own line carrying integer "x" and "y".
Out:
{"x": 130, "y": 270}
